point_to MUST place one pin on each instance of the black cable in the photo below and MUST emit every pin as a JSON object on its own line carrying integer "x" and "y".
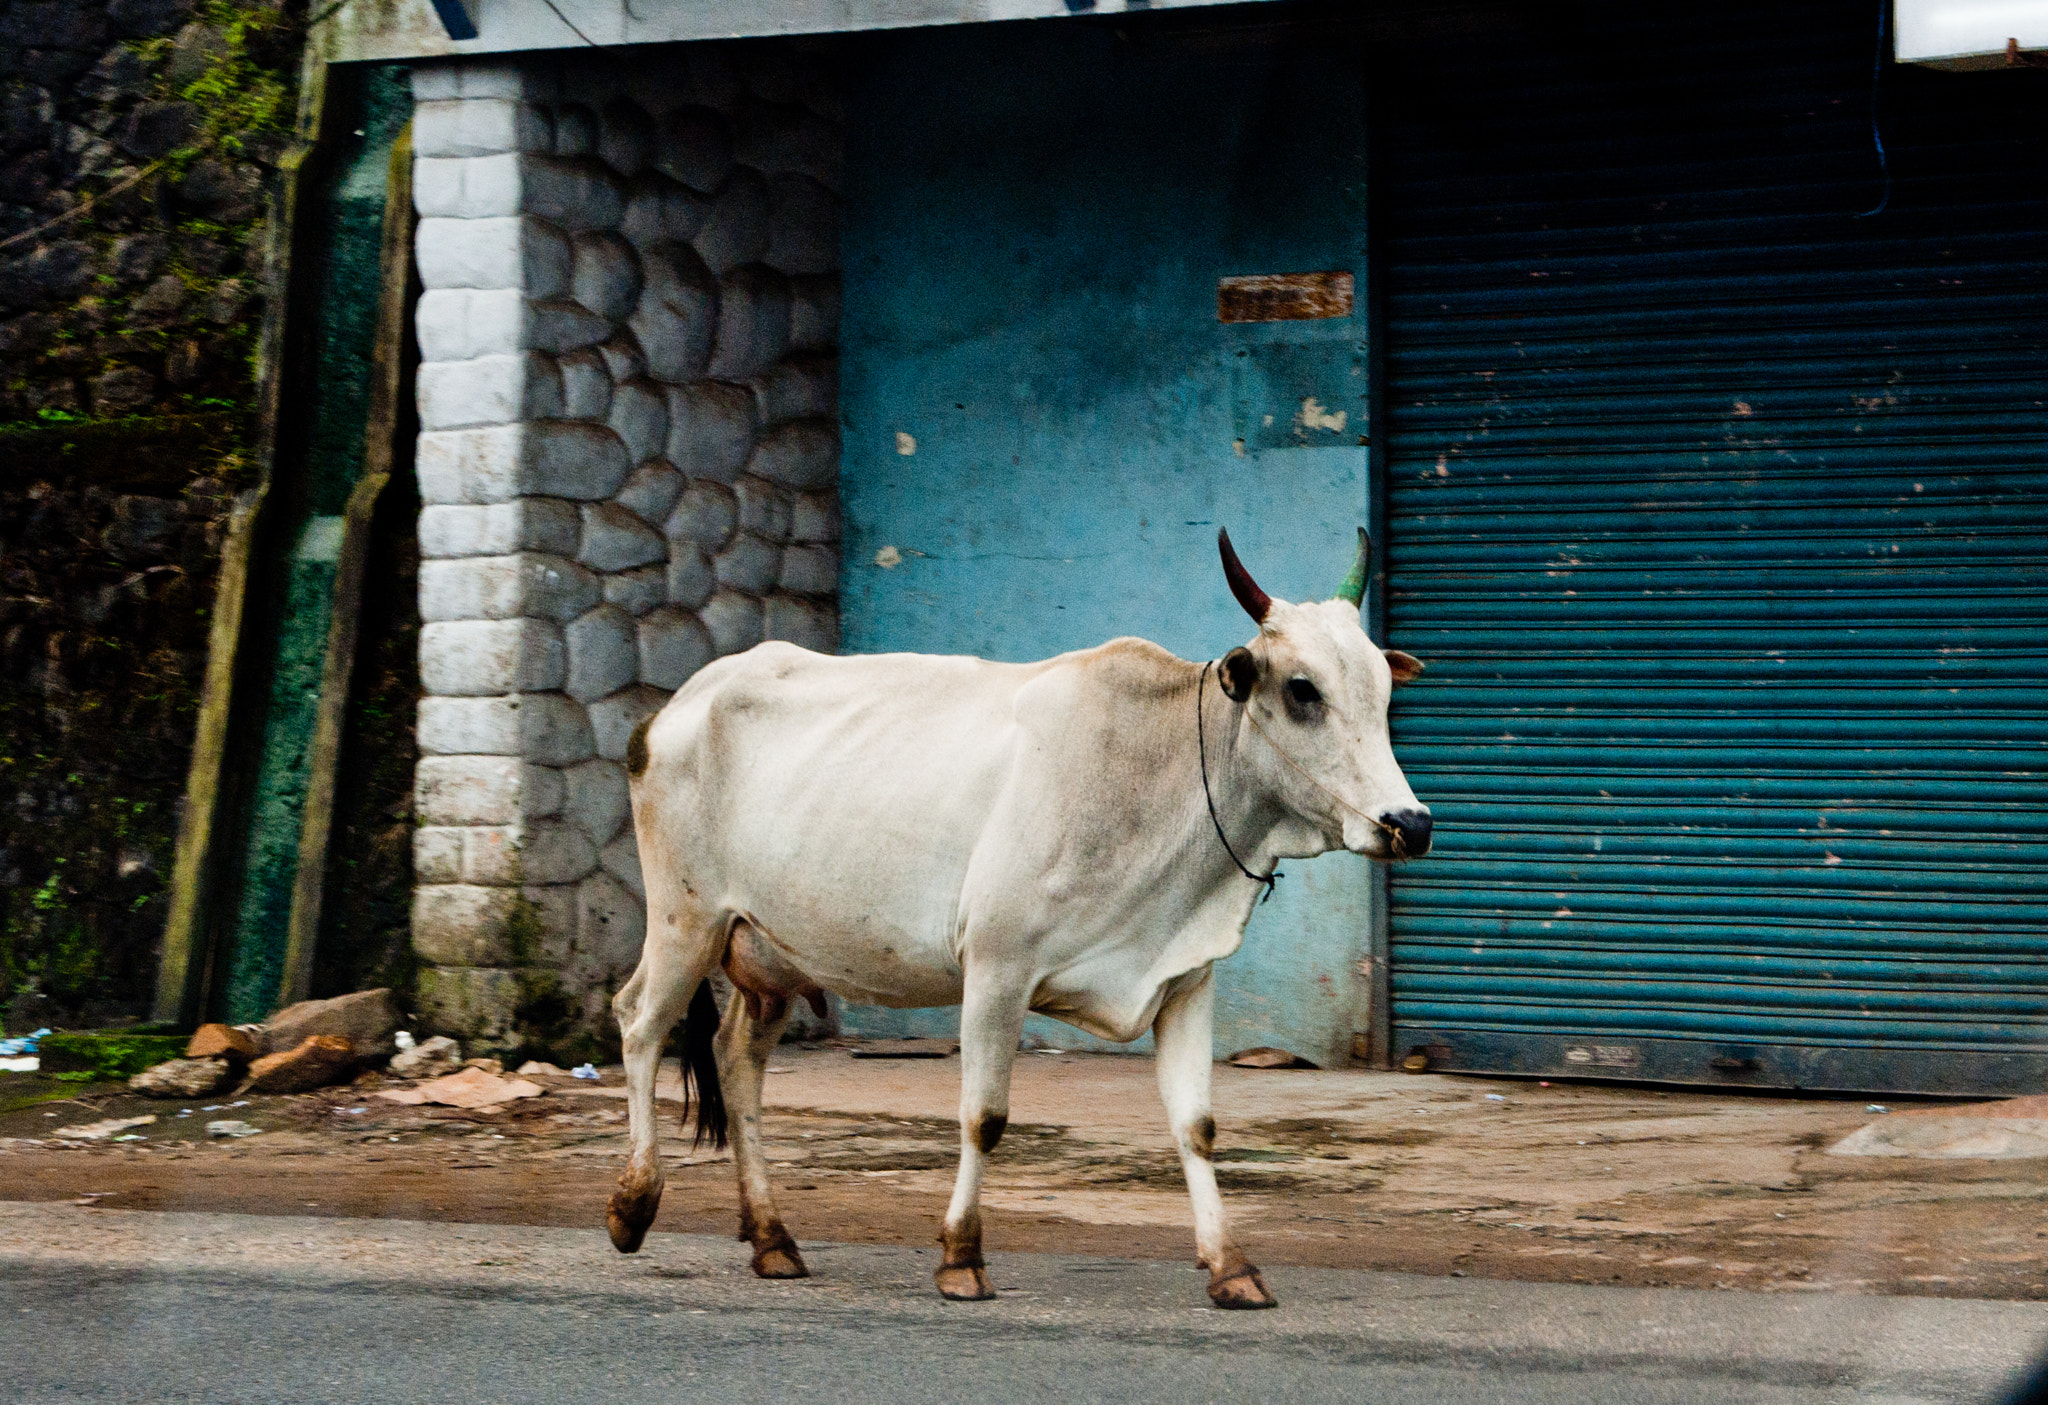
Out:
{"x": 572, "y": 24}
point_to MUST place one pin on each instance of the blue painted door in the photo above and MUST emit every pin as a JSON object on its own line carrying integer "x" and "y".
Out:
{"x": 1045, "y": 420}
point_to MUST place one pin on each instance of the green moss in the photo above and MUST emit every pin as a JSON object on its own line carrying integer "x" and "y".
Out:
{"x": 525, "y": 931}
{"x": 238, "y": 94}
{"x": 20, "y": 1090}
{"x": 546, "y": 1025}
{"x": 107, "y": 1055}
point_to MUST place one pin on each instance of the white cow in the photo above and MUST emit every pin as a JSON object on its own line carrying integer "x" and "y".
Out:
{"x": 1084, "y": 837}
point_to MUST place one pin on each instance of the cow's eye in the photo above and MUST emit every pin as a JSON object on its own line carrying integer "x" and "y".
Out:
{"x": 1302, "y": 693}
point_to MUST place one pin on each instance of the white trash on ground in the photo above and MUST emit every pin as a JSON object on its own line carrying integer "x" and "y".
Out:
{"x": 100, "y": 1131}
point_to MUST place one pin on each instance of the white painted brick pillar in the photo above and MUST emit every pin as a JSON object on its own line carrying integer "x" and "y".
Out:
{"x": 628, "y": 465}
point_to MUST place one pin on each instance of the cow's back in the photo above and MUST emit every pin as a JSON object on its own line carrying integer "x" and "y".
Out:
{"x": 836, "y": 800}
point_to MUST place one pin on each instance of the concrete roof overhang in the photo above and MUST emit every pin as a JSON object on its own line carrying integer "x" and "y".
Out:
{"x": 358, "y": 30}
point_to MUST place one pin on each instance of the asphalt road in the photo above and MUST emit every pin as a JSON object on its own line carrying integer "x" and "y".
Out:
{"x": 131, "y": 1306}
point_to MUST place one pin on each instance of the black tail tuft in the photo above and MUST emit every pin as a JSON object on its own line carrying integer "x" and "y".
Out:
{"x": 700, "y": 1062}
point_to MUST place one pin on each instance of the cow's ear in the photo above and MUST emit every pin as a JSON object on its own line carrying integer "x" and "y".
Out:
{"x": 1239, "y": 673}
{"x": 1407, "y": 668}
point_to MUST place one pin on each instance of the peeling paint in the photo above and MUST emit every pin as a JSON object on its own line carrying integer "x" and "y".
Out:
{"x": 1314, "y": 416}
{"x": 888, "y": 558}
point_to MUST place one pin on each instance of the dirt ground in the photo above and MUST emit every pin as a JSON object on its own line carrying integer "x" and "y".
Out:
{"x": 1423, "y": 1173}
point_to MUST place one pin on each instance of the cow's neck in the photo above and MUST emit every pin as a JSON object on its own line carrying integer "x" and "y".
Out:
{"x": 1250, "y": 818}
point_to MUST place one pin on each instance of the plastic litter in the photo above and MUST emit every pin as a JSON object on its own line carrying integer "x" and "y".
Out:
{"x": 1877, "y": 1107}
{"x": 1496, "y": 1097}
{"x": 225, "y": 1127}
{"x": 21, "y": 1044}
{"x": 131, "y": 1137}
{"x": 403, "y": 1039}
{"x": 27, "y": 1063}
{"x": 586, "y": 1072}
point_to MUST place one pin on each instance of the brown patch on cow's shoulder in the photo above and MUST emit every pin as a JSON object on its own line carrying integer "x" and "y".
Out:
{"x": 636, "y": 746}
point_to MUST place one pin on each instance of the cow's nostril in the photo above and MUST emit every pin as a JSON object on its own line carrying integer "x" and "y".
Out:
{"x": 1413, "y": 825}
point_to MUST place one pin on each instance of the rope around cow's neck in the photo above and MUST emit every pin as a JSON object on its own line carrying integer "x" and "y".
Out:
{"x": 1271, "y": 880}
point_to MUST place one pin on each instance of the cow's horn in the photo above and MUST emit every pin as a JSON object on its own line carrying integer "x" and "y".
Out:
{"x": 1255, "y": 601}
{"x": 1353, "y": 589}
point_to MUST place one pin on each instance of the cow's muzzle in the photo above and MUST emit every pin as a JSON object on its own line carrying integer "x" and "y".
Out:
{"x": 1408, "y": 831}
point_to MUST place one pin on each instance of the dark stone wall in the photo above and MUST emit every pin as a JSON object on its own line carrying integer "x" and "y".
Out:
{"x": 137, "y": 141}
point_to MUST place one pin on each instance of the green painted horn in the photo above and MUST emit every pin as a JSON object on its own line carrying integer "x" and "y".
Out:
{"x": 1353, "y": 588}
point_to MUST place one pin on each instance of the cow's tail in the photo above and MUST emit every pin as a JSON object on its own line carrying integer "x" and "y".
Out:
{"x": 700, "y": 1065}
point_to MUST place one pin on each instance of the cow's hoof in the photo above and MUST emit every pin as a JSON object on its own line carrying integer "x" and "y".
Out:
{"x": 626, "y": 1236}
{"x": 779, "y": 1261}
{"x": 964, "y": 1285}
{"x": 1243, "y": 1289}
{"x": 629, "y": 1215}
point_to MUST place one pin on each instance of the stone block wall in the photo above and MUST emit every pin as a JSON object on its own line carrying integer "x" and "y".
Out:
{"x": 628, "y": 467}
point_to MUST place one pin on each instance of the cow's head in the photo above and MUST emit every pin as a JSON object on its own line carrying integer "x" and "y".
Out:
{"x": 1316, "y": 689}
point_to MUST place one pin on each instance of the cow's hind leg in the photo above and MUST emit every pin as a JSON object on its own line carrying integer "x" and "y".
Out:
{"x": 1182, "y": 1034}
{"x": 746, "y": 1037}
{"x": 991, "y": 1019}
{"x": 678, "y": 953}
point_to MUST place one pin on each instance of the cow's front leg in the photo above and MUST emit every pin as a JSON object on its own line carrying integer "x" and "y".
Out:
{"x": 1182, "y": 1034}
{"x": 991, "y": 1020}
{"x": 746, "y": 1038}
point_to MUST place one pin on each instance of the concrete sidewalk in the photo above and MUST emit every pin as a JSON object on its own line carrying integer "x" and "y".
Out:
{"x": 362, "y": 1308}
{"x": 1430, "y": 1174}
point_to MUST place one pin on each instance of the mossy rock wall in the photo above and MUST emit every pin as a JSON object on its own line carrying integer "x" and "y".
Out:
{"x": 137, "y": 141}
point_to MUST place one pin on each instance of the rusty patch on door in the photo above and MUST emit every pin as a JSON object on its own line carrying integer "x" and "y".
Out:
{"x": 1284, "y": 297}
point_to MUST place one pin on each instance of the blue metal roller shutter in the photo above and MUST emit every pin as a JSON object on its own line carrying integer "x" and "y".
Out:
{"x": 1720, "y": 515}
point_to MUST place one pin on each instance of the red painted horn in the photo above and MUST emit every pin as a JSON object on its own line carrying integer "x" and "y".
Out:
{"x": 1255, "y": 601}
